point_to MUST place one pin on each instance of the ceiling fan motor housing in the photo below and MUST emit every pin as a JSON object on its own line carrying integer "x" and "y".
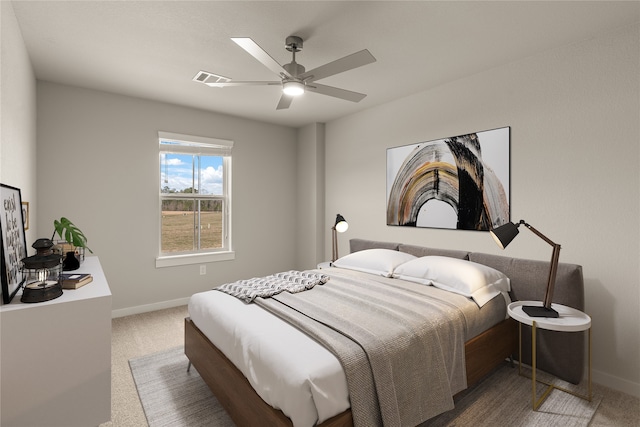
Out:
{"x": 294, "y": 68}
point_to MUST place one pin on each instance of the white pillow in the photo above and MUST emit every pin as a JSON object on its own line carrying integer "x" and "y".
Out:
{"x": 375, "y": 261}
{"x": 477, "y": 281}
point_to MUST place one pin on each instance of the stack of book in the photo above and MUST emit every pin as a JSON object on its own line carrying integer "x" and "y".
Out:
{"x": 75, "y": 281}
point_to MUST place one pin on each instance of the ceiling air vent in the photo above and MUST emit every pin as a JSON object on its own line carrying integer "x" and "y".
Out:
{"x": 207, "y": 77}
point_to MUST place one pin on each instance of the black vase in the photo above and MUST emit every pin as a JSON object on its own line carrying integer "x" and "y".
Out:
{"x": 70, "y": 262}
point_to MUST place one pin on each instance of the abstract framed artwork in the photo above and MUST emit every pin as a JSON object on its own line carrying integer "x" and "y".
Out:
{"x": 14, "y": 247}
{"x": 461, "y": 182}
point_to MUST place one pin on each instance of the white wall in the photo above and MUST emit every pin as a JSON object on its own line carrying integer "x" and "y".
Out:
{"x": 98, "y": 166}
{"x": 574, "y": 117}
{"x": 310, "y": 220}
{"x": 18, "y": 116}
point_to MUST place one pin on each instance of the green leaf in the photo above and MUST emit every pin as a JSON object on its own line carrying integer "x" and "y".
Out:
{"x": 69, "y": 232}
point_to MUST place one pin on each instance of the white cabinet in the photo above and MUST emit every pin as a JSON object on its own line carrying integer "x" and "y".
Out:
{"x": 55, "y": 357}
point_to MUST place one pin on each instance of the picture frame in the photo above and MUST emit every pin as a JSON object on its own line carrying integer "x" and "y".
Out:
{"x": 25, "y": 215}
{"x": 460, "y": 182}
{"x": 14, "y": 245}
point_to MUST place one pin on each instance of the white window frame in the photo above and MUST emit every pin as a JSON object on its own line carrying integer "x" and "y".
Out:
{"x": 205, "y": 146}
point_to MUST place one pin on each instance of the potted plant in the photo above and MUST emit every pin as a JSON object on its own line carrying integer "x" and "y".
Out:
{"x": 75, "y": 239}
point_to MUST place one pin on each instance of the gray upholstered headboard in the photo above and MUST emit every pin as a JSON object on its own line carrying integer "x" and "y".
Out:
{"x": 559, "y": 353}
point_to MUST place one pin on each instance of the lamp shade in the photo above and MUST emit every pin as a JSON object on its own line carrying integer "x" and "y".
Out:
{"x": 504, "y": 234}
{"x": 341, "y": 224}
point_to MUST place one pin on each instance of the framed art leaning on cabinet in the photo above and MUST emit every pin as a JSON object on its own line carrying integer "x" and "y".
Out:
{"x": 14, "y": 247}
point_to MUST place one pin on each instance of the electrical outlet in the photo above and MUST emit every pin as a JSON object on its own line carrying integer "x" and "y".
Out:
{"x": 203, "y": 270}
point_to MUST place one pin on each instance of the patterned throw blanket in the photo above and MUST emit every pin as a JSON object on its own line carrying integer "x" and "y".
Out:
{"x": 402, "y": 352}
{"x": 291, "y": 281}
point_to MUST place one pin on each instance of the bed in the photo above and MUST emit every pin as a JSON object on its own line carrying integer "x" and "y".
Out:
{"x": 242, "y": 387}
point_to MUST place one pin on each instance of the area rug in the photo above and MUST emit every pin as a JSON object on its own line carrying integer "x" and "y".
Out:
{"x": 504, "y": 399}
{"x": 171, "y": 396}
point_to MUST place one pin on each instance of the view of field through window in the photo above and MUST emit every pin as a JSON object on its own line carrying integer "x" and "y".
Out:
{"x": 191, "y": 190}
{"x": 178, "y": 234}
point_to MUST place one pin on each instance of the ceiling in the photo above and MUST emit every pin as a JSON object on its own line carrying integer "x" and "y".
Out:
{"x": 153, "y": 49}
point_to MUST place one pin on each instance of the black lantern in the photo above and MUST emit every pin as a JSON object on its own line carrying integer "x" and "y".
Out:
{"x": 42, "y": 273}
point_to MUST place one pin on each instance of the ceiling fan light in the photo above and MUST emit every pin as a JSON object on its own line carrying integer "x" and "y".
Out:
{"x": 293, "y": 88}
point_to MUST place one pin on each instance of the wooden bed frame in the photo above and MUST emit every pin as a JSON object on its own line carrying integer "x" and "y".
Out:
{"x": 236, "y": 395}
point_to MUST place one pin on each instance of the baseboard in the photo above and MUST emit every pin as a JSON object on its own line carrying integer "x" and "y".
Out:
{"x": 616, "y": 383}
{"x": 148, "y": 307}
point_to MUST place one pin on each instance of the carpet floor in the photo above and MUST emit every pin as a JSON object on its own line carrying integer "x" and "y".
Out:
{"x": 171, "y": 396}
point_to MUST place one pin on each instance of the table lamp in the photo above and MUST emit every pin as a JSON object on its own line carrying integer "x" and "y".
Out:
{"x": 339, "y": 227}
{"x": 503, "y": 235}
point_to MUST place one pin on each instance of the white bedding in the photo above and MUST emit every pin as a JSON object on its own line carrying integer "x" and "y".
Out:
{"x": 289, "y": 370}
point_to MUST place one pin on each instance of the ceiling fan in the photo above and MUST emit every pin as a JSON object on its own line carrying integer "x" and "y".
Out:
{"x": 294, "y": 80}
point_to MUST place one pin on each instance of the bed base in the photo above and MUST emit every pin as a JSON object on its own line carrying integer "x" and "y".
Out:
{"x": 234, "y": 392}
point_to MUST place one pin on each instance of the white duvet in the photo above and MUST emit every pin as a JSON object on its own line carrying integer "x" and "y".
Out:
{"x": 289, "y": 371}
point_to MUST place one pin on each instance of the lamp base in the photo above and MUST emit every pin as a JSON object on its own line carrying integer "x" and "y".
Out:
{"x": 41, "y": 294}
{"x": 537, "y": 311}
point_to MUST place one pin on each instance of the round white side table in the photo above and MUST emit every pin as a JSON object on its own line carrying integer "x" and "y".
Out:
{"x": 569, "y": 320}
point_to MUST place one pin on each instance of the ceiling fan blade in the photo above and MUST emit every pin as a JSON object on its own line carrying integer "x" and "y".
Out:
{"x": 257, "y": 52}
{"x": 347, "y": 63}
{"x": 230, "y": 84}
{"x": 336, "y": 92}
{"x": 285, "y": 102}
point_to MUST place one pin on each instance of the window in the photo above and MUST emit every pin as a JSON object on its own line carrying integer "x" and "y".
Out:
{"x": 195, "y": 199}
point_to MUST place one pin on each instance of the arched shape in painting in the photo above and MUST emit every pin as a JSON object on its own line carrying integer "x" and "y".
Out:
{"x": 437, "y": 214}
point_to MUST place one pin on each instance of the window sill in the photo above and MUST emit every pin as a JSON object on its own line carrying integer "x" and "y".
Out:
{"x": 188, "y": 259}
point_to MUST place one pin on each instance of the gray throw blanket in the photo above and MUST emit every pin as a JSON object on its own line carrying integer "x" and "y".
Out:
{"x": 291, "y": 281}
{"x": 403, "y": 353}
